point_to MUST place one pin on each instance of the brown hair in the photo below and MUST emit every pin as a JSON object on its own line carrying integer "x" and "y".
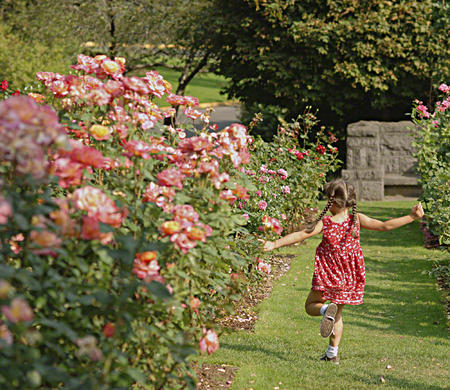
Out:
{"x": 344, "y": 195}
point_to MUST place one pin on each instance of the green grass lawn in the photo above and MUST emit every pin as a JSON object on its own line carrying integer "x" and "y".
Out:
{"x": 401, "y": 323}
{"x": 204, "y": 86}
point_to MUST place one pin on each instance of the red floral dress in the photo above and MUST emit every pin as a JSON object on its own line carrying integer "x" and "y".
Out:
{"x": 339, "y": 266}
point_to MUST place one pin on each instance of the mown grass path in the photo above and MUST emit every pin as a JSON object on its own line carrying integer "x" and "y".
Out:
{"x": 401, "y": 323}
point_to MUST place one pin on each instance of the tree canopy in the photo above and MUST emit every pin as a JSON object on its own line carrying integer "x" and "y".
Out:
{"x": 147, "y": 33}
{"x": 352, "y": 59}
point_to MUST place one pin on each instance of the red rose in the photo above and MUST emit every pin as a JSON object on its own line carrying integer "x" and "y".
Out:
{"x": 4, "y": 85}
{"x": 109, "y": 329}
{"x": 320, "y": 149}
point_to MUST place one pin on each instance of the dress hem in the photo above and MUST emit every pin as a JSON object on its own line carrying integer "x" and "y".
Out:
{"x": 332, "y": 297}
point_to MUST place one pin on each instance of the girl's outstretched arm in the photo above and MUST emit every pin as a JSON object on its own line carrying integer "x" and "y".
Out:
{"x": 375, "y": 224}
{"x": 291, "y": 238}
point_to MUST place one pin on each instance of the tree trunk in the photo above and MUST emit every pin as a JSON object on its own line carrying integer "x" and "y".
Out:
{"x": 187, "y": 75}
{"x": 112, "y": 31}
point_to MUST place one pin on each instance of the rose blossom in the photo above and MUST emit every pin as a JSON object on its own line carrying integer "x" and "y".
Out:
{"x": 192, "y": 113}
{"x": 5, "y": 211}
{"x": 111, "y": 68}
{"x": 169, "y": 113}
{"x": 241, "y": 192}
{"x": 170, "y": 227}
{"x": 444, "y": 88}
{"x": 264, "y": 267}
{"x": 196, "y": 234}
{"x": 5, "y": 334}
{"x": 145, "y": 264}
{"x": 5, "y": 288}
{"x": 191, "y": 101}
{"x": 4, "y": 85}
{"x": 185, "y": 214}
{"x": 97, "y": 205}
{"x": 246, "y": 216}
{"x": 210, "y": 342}
{"x": 263, "y": 169}
{"x": 170, "y": 177}
{"x": 109, "y": 329}
{"x": 87, "y": 156}
{"x": 175, "y": 100}
{"x": 100, "y": 133}
{"x": 423, "y": 110}
{"x": 262, "y": 205}
{"x": 286, "y": 190}
{"x": 228, "y": 196}
{"x": 182, "y": 242}
{"x": 88, "y": 346}
{"x": 195, "y": 304}
{"x": 45, "y": 239}
{"x": 18, "y": 311}
{"x": 320, "y": 149}
{"x": 282, "y": 172}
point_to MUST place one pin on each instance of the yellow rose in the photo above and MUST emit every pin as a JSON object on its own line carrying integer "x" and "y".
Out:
{"x": 100, "y": 133}
{"x": 110, "y": 67}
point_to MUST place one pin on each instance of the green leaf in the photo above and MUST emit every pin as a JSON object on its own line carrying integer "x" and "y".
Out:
{"x": 159, "y": 290}
{"x": 22, "y": 222}
{"x": 137, "y": 375}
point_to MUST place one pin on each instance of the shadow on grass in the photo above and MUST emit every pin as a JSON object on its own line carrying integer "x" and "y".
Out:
{"x": 398, "y": 383}
{"x": 399, "y": 300}
{"x": 253, "y": 348}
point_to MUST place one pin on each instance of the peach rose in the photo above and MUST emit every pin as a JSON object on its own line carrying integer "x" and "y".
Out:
{"x": 170, "y": 227}
{"x": 100, "y": 133}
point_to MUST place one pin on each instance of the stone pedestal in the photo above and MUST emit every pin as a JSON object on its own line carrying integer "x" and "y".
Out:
{"x": 380, "y": 154}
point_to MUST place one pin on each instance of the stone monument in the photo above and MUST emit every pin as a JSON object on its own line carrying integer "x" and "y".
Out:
{"x": 380, "y": 159}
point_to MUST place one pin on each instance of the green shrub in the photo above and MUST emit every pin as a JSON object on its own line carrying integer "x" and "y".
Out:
{"x": 433, "y": 154}
{"x": 289, "y": 172}
{"x": 120, "y": 240}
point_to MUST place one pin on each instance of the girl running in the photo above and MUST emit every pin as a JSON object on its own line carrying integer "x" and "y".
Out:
{"x": 339, "y": 272}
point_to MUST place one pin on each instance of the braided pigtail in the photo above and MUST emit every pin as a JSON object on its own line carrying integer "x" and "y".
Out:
{"x": 311, "y": 226}
{"x": 355, "y": 220}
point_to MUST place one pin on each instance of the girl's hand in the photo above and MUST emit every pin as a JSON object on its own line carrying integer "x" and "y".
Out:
{"x": 268, "y": 245}
{"x": 417, "y": 212}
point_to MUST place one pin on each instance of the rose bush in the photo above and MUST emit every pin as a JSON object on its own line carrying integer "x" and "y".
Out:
{"x": 121, "y": 240}
{"x": 288, "y": 174}
{"x": 432, "y": 143}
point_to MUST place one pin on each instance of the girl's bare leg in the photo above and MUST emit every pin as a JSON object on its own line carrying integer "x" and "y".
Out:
{"x": 314, "y": 303}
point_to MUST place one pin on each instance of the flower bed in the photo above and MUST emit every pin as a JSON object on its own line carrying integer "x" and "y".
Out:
{"x": 122, "y": 240}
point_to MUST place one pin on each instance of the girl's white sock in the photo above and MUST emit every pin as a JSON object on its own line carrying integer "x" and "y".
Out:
{"x": 331, "y": 351}
{"x": 323, "y": 309}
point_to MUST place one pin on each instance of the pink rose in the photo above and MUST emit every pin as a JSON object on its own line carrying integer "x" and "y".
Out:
{"x": 423, "y": 110}
{"x": 192, "y": 113}
{"x": 282, "y": 172}
{"x": 18, "y": 311}
{"x": 5, "y": 211}
{"x": 210, "y": 342}
{"x": 286, "y": 190}
{"x": 262, "y": 205}
{"x": 444, "y": 88}
{"x": 170, "y": 177}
